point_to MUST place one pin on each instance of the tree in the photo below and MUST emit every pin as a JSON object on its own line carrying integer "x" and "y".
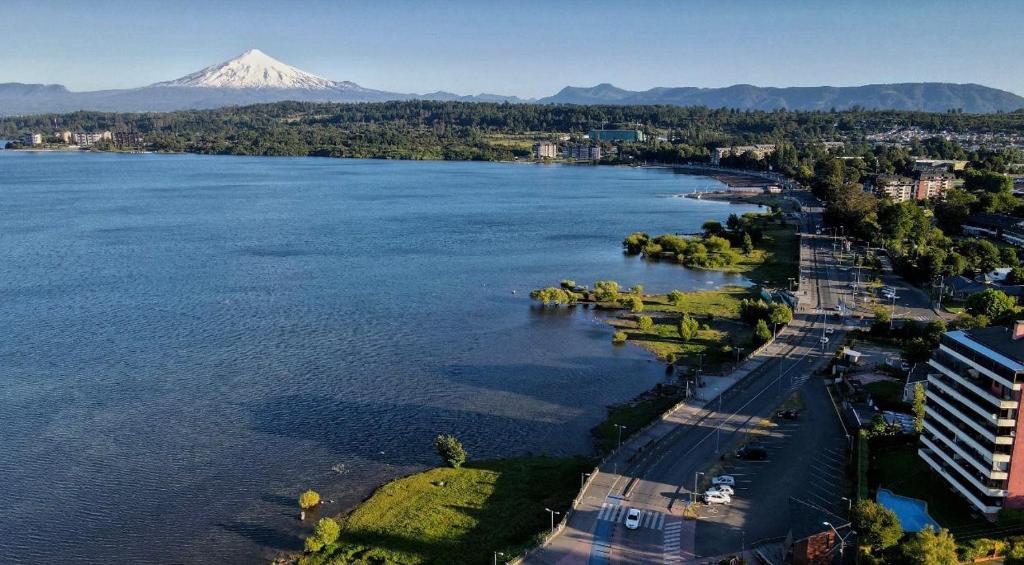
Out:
{"x": 606, "y": 291}
{"x": 309, "y": 499}
{"x": 761, "y": 332}
{"x": 990, "y": 303}
{"x": 919, "y": 407}
{"x": 1015, "y": 276}
{"x": 878, "y": 527}
{"x": 1008, "y": 256}
{"x": 634, "y": 303}
{"x": 553, "y": 296}
{"x": 637, "y": 289}
{"x": 324, "y": 533}
{"x": 645, "y": 323}
{"x": 748, "y": 244}
{"x": 953, "y": 209}
{"x": 688, "y": 328}
{"x": 450, "y": 449}
{"x": 780, "y": 314}
{"x": 676, "y": 297}
{"x": 929, "y": 547}
{"x": 635, "y": 242}
{"x": 916, "y": 350}
{"x": 619, "y": 337}
{"x": 568, "y": 284}
{"x": 712, "y": 228}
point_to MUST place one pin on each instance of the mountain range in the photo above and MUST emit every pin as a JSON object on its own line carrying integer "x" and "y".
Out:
{"x": 255, "y": 77}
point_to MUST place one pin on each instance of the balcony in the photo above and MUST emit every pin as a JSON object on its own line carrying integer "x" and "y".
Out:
{"x": 952, "y": 372}
{"x": 933, "y": 461}
{"x": 987, "y": 372}
{"x": 967, "y": 474}
{"x": 950, "y": 411}
{"x": 982, "y": 460}
{"x": 968, "y": 402}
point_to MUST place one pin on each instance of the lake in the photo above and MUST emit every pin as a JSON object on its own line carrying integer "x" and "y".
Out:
{"x": 190, "y": 341}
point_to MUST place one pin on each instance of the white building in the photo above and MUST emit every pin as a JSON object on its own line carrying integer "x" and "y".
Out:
{"x": 90, "y": 138}
{"x": 545, "y": 150}
{"x": 32, "y": 139}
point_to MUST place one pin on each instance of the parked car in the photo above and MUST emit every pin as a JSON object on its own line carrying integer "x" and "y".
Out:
{"x": 723, "y": 480}
{"x": 724, "y": 489}
{"x": 830, "y": 331}
{"x": 716, "y": 498}
{"x": 752, "y": 453}
{"x": 632, "y": 518}
{"x": 823, "y": 340}
{"x": 788, "y": 414}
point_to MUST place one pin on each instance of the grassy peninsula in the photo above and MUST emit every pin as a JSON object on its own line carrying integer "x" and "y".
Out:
{"x": 457, "y": 515}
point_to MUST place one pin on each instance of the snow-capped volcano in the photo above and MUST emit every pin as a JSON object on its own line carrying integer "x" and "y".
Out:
{"x": 255, "y": 69}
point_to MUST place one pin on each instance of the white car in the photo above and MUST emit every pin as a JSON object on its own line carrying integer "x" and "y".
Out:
{"x": 723, "y": 480}
{"x": 632, "y": 518}
{"x": 829, "y": 331}
{"x": 724, "y": 489}
{"x": 716, "y": 498}
{"x": 823, "y": 340}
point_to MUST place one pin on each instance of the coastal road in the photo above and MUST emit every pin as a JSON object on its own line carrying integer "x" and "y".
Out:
{"x": 657, "y": 474}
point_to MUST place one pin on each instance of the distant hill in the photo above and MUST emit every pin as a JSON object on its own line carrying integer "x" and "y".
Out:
{"x": 921, "y": 96}
{"x": 254, "y": 77}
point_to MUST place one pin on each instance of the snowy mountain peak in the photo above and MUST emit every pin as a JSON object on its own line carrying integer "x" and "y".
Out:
{"x": 252, "y": 69}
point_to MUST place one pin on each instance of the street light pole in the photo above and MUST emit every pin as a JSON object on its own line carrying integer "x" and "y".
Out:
{"x": 552, "y": 512}
{"x": 620, "y": 427}
{"x": 583, "y": 479}
{"x": 842, "y": 541}
{"x": 496, "y": 554}
{"x": 693, "y": 495}
{"x": 849, "y": 505}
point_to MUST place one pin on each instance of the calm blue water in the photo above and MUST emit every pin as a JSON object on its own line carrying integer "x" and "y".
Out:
{"x": 189, "y": 341}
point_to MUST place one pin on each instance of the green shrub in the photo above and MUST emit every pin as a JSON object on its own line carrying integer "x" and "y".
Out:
{"x": 450, "y": 449}
{"x": 324, "y": 533}
{"x": 619, "y": 337}
{"x": 309, "y": 499}
{"x": 645, "y": 323}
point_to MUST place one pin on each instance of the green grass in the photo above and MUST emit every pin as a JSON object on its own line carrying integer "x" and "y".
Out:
{"x": 487, "y": 506}
{"x": 776, "y": 258}
{"x": 664, "y": 341}
{"x": 888, "y": 392}
{"x": 902, "y": 471}
{"x": 721, "y": 303}
{"x": 634, "y": 415}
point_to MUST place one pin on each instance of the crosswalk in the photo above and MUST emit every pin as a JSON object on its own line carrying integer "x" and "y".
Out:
{"x": 616, "y": 513}
{"x": 673, "y": 530}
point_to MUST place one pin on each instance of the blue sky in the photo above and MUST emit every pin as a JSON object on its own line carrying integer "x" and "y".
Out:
{"x": 524, "y": 47}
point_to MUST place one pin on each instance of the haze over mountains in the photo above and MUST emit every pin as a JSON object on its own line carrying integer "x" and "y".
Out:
{"x": 255, "y": 77}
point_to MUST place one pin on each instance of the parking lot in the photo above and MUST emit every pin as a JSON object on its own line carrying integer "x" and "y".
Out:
{"x": 806, "y": 462}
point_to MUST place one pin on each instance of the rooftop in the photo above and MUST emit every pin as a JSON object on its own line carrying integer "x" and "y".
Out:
{"x": 998, "y": 340}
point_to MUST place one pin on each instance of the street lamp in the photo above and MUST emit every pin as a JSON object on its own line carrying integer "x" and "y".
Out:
{"x": 849, "y": 505}
{"x": 693, "y": 495}
{"x": 842, "y": 540}
{"x": 496, "y": 555}
{"x": 552, "y": 512}
{"x": 620, "y": 427}
{"x": 583, "y": 479}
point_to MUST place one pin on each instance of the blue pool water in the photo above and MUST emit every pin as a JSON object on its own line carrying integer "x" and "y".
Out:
{"x": 913, "y": 513}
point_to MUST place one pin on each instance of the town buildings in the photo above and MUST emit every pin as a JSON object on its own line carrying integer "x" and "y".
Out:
{"x": 90, "y": 138}
{"x": 617, "y": 135}
{"x": 760, "y": 151}
{"x": 127, "y": 139}
{"x": 582, "y": 152}
{"x": 896, "y": 188}
{"x": 31, "y": 139}
{"x": 932, "y": 184}
{"x": 996, "y": 226}
{"x": 545, "y": 150}
{"x": 971, "y": 419}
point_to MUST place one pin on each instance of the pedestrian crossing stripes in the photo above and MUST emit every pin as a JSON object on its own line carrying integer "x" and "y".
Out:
{"x": 672, "y": 532}
{"x": 617, "y": 513}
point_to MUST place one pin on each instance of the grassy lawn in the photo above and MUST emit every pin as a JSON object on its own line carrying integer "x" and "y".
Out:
{"x": 776, "y": 258}
{"x": 487, "y": 506}
{"x": 634, "y": 415}
{"x": 888, "y": 392}
{"x": 720, "y": 303}
{"x": 900, "y": 470}
{"x": 716, "y": 341}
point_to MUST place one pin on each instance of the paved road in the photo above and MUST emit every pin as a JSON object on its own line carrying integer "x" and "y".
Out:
{"x": 658, "y": 479}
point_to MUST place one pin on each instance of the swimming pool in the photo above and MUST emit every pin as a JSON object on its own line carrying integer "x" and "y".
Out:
{"x": 913, "y": 513}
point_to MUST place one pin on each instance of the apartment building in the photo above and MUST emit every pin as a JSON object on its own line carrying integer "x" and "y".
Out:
{"x": 971, "y": 417}
{"x": 933, "y": 184}
{"x": 90, "y": 138}
{"x": 897, "y": 189}
{"x": 32, "y": 139}
{"x": 545, "y": 150}
{"x": 582, "y": 152}
{"x": 760, "y": 151}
